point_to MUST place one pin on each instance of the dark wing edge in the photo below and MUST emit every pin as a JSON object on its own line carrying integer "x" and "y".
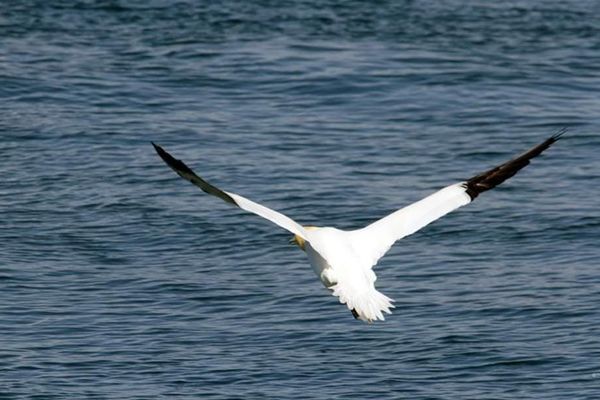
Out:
{"x": 186, "y": 173}
{"x": 495, "y": 176}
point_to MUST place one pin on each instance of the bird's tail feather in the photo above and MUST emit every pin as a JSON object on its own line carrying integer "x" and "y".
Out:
{"x": 368, "y": 305}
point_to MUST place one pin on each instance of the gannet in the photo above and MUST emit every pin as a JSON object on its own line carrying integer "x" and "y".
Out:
{"x": 344, "y": 259}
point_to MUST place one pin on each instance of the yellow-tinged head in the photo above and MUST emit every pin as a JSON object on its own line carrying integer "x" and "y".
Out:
{"x": 299, "y": 241}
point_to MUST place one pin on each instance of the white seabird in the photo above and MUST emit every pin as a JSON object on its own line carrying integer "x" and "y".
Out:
{"x": 344, "y": 260}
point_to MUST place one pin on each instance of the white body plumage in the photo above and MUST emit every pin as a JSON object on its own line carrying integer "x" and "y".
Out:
{"x": 344, "y": 270}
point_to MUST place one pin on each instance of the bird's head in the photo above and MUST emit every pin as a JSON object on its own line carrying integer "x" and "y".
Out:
{"x": 298, "y": 240}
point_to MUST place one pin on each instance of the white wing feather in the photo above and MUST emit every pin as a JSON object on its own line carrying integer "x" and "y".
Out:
{"x": 274, "y": 216}
{"x": 376, "y": 239}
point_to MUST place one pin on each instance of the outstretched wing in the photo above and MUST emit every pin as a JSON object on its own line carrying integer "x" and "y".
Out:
{"x": 186, "y": 173}
{"x": 377, "y": 238}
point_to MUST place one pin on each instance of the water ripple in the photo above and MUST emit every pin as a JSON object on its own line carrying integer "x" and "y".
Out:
{"x": 118, "y": 280}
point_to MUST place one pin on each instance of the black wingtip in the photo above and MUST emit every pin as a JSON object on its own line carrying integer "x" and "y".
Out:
{"x": 186, "y": 173}
{"x": 159, "y": 150}
{"x": 495, "y": 176}
{"x": 175, "y": 164}
{"x": 559, "y": 134}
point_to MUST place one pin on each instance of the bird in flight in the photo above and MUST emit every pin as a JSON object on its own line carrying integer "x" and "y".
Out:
{"x": 344, "y": 259}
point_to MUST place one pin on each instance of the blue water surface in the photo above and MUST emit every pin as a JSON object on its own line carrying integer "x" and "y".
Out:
{"x": 118, "y": 280}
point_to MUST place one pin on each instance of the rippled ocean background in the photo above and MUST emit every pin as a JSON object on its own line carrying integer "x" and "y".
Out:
{"x": 118, "y": 280}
